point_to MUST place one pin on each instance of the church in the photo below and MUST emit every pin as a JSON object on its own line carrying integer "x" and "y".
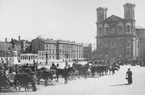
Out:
{"x": 119, "y": 37}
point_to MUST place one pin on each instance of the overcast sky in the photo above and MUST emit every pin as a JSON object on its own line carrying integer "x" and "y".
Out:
{"x": 72, "y": 20}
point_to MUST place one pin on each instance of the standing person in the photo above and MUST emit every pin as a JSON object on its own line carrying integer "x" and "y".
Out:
{"x": 129, "y": 76}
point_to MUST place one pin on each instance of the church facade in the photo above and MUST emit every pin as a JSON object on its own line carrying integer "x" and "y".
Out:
{"x": 116, "y": 36}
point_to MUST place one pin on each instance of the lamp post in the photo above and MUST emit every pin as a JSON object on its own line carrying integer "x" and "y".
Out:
{"x": 46, "y": 58}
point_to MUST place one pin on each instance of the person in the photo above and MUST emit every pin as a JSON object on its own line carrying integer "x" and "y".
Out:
{"x": 53, "y": 66}
{"x": 129, "y": 76}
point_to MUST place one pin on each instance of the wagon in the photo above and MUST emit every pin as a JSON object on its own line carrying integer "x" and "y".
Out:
{"x": 4, "y": 82}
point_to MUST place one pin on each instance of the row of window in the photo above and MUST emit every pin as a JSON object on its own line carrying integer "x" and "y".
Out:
{"x": 113, "y": 44}
{"x": 114, "y": 52}
{"x": 62, "y": 46}
{"x": 61, "y": 57}
{"x": 72, "y": 56}
{"x": 50, "y": 46}
{"x": 28, "y": 57}
{"x": 49, "y": 57}
{"x": 114, "y": 29}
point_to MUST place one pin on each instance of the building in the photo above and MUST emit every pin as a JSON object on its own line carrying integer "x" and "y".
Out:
{"x": 8, "y": 52}
{"x": 69, "y": 50}
{"x": 87, "y": 51}
{"x": 45, "y": 48}
{"x": 49, "y": 49}
{"x": 116, "y": 36}
{"x": 24, "y": 45}
{"x": 140, "y": 31}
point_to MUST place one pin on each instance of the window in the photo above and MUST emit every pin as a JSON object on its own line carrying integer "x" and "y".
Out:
{"x": 128, "y": 51}
{"x": 106, "y": 28}
{"x": 120, "y": 30}
{"x": 100, "y": 30}
{"x": 128, "y": 13}
{"x": 114, "y": 52}
{"x": 113, "y": 44}
{"x": 114, "y": 29}
{"x": 49, "y": 46}
{"x": 128, "y": 44}
{"x": 121, "y": 50}
{"x": 53, "y": 51}
{"x": 49, "y": 51}
{"x": 46, "y": 46}
{"x": 60, "y": 50}
{"x": 106, "y": 50}
{"x": 49, "y": 57}
{"x": 128, "y": 29}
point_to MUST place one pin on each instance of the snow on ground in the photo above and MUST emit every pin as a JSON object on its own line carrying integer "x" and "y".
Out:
{"x": 106, "y": 85}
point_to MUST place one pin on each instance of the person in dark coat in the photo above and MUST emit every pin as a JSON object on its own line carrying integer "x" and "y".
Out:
{"x": 129, "y": 76}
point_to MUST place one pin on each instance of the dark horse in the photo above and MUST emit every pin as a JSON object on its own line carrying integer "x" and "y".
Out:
{"x": 82, "y": 69}
{"x": 99, "y": 69}
{"x": 45, "y": 74}
{"x": 23, "y": 80}
{"x": 113, "y": 69}
{"x": 4, "y": 81}
{"x": 65, "y": 73}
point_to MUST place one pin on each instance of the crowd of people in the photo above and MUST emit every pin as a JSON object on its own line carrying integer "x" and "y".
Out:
{"x": 34, "y": 74}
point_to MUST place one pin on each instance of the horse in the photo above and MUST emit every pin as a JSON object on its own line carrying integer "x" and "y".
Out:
{"x": 113, "y": 69}
{"x": 65, "y": 73}
{"x": 44, "y": 73}
{"x": 4, "y": 81}
{"x": 23, "y": 80}
{"x": 82, "y": 69}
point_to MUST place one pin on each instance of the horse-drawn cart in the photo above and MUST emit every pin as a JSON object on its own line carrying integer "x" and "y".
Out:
{"x": 4, "y": 82}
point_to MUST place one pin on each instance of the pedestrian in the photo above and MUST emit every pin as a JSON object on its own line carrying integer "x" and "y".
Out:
{"x": 129, "y": 76}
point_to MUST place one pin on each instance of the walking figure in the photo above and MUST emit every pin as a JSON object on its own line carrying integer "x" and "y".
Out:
{"x": 129, "y": 76}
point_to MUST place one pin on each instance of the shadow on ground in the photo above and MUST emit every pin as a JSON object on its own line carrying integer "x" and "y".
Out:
{"x": 12, "y": 91}
{"x": 121, "y": 84}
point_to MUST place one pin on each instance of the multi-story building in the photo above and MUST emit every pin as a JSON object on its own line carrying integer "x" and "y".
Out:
{"x": 46, "y": 48}
{"x": 69, "y": 50}
{"x": 140, "y": 31}
{"x": 116, "y": 36}
{"x": 56, "y": 49}
{"x": 8, "y": 51}
{"x": 87, "y": 51}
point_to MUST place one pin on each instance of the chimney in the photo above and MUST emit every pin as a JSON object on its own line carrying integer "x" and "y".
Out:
{"x": 19, "y": 38}
{"x": 6, "y": 40}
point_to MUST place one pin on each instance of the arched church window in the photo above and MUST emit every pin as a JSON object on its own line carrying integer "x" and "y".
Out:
{"x": 100, "y": 29}
{"x": 128, "y": 44}
{"x": 106, "y": 28}
{"x": 128, "y": 13}
{"x": 128, "y": 27}
{"x": 106, "y": 48}
{"x": 120, "y": 28}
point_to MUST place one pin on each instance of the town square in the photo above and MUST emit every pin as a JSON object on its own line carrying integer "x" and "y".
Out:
{"x": 72, "y": 47}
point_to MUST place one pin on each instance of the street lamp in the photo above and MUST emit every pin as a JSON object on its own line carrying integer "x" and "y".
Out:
{"x": 46, "y": 58}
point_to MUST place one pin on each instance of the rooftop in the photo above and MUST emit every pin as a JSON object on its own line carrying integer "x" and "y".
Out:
{"x": 139, "y": 27}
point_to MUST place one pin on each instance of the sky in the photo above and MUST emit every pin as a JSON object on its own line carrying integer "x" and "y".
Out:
{"x": 72, "y": 20}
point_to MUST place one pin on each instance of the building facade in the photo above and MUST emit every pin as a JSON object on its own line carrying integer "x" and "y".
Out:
{"x": 45, "y": 48}
{"x": 140, "y": 31}
{"x": 87, "y": 51}
{"x": 116, "y": 36}
{"x": 49, "y": 49}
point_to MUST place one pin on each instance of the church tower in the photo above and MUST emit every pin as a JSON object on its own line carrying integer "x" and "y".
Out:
{"x": 101, "y": 14}
{"x": 129, "y": 11}
{"x": 129, "y": 17}
{"x": 131, "y": 43}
